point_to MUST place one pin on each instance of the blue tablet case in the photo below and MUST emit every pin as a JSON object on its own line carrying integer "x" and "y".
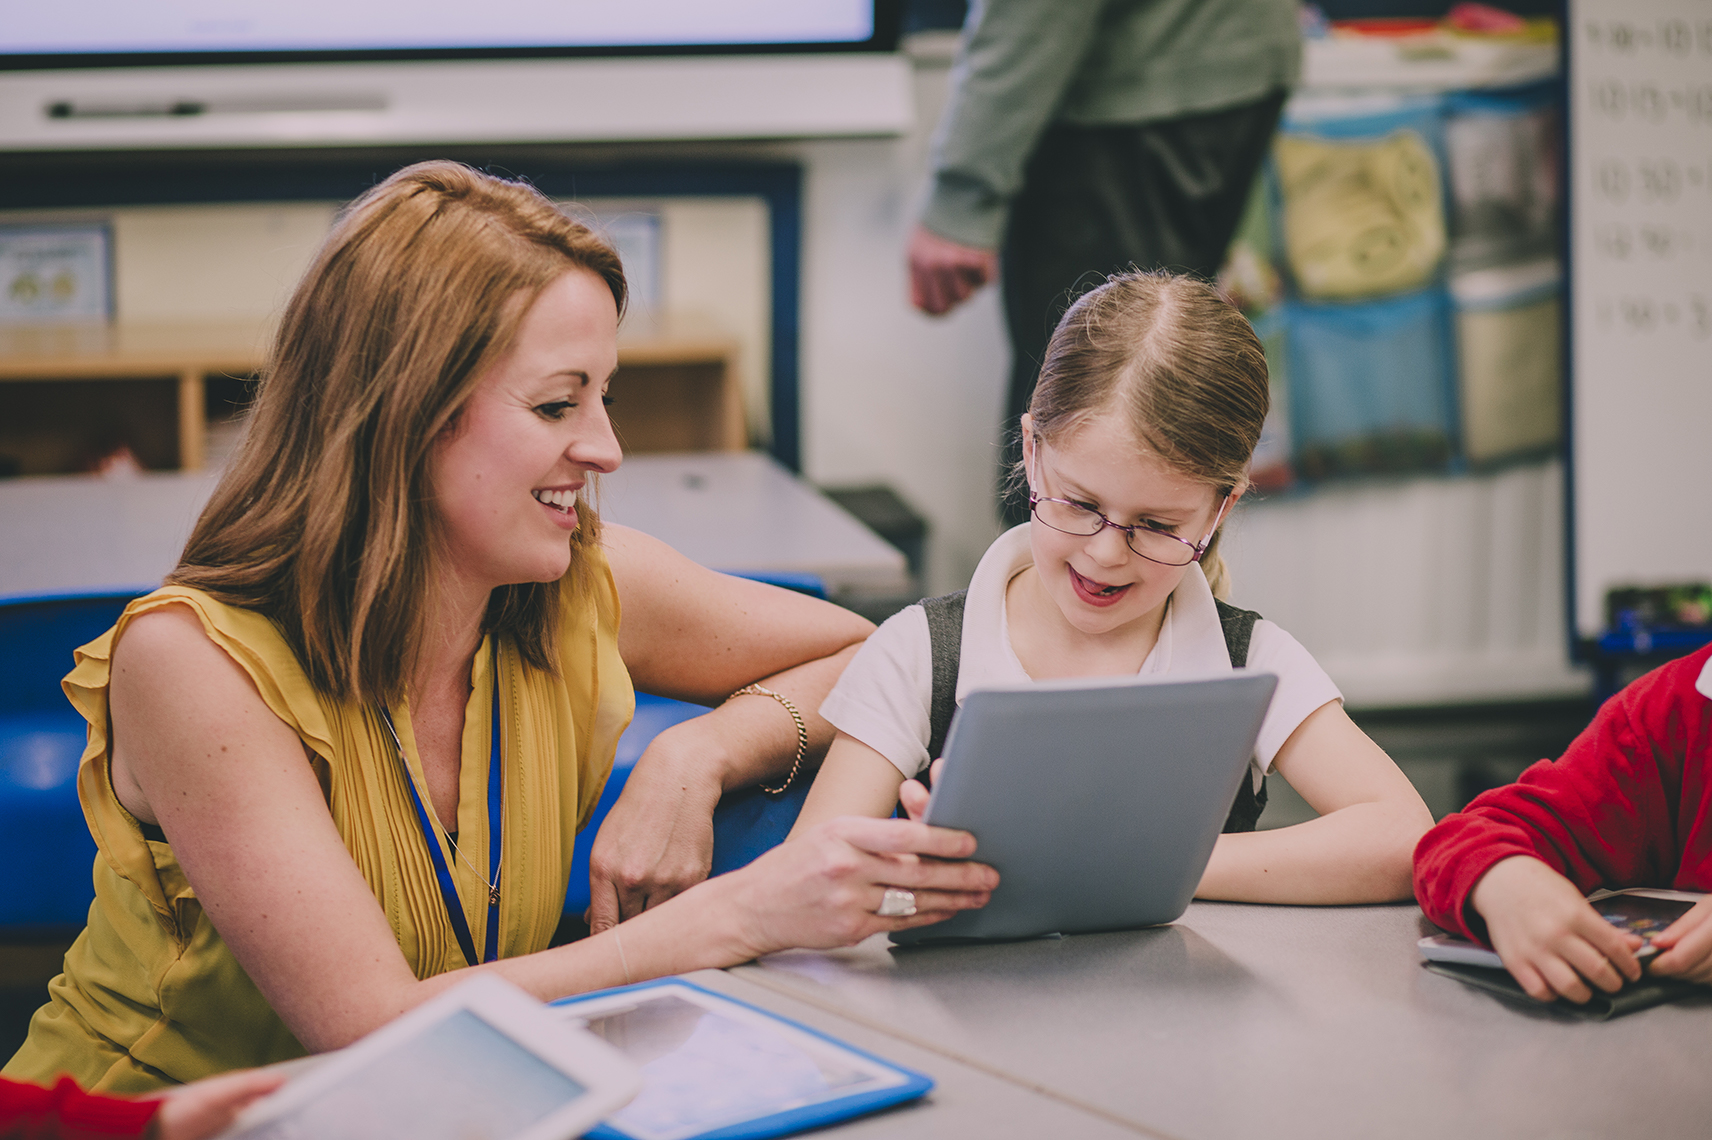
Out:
{"x": 794, "y": 1120}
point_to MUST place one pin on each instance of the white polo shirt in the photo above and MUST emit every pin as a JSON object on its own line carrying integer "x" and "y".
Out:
{"x": 885, "y": 697}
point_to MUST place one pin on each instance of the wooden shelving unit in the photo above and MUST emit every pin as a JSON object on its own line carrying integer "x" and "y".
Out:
{"x": 67, "y": 391}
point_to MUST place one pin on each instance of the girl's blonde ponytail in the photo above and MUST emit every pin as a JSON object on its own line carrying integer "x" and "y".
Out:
{"x": 1213, "y": 566}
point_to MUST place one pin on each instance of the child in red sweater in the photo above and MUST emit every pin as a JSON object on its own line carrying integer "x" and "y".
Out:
{"x": 190, "y": 1112}
{"x": 1629, "y": 805}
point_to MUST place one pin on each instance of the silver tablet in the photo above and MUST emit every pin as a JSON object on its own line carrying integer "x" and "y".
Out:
{"x": 1097, "y": 801}
{"x": 482, "y": 1059}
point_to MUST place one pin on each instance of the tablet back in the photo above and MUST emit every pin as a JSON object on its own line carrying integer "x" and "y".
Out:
{"x": 1098, "y": 803}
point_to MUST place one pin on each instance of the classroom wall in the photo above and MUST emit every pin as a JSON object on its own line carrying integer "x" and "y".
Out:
{"x": 1411, "y": 592}
{"x": 1417, "y": 591}
{"x": 891, "y": 395}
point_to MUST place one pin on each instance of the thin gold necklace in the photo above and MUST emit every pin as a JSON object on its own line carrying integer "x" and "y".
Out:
{"x": 499, "y": 868}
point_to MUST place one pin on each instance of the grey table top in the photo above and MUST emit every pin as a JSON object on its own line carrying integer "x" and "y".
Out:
{"x": 964, "y": 1102}
{"x": 727, "y": 510}
{"x": 1268, "y": 1021}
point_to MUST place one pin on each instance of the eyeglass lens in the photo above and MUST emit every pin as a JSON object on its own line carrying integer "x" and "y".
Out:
{"x": 1156, "y": 546}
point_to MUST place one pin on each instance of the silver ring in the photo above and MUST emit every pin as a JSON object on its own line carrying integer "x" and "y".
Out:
{"x": 896, "y": 903}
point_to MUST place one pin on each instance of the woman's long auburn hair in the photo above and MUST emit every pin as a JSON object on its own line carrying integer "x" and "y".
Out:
{"x": 325, "y": 520}
{"x": 1178, "y": 363}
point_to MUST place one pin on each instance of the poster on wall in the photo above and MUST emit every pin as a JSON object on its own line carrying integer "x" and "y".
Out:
{"x": 55, "y": 274}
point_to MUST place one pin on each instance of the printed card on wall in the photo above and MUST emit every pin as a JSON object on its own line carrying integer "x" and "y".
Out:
{"x": 55, "y": 274}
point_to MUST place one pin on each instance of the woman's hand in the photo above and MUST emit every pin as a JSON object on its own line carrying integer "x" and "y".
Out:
{"x": 657, "y": 840}
{"x": 205, "y": 1108}
{"x": 1687, "y": 946}
{"x": 821, "y": 890}
{"x": 1551, "y": 939}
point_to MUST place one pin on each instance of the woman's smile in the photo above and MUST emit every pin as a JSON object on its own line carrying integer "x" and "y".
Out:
{"x": 560, "y": 503}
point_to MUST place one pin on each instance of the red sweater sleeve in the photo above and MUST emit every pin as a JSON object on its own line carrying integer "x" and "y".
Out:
{"x": 1627, "y": 805}
{"x": 66, "y": 1112}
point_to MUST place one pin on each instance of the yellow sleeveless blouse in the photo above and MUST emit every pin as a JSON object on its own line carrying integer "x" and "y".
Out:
{"x": 151, "y": 995}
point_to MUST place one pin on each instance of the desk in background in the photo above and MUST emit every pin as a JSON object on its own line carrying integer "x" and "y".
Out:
{"x": 729, "y": 510}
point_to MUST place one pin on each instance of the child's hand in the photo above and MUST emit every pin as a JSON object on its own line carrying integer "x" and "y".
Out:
{"x": 203, "y": 1108}
{"x": 1687, "y": 946}
{"x": 913, "y": 794}
{"x": 1551, "y": 939}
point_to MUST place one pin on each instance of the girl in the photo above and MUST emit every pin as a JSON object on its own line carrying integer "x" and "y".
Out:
{"x": 1135, "y": 448}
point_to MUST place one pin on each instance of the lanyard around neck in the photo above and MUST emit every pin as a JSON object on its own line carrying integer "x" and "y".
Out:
{"x": 443, "y": 872}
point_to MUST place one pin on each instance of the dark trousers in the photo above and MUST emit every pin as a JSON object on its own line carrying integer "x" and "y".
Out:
{"x": 1102, "y": 200}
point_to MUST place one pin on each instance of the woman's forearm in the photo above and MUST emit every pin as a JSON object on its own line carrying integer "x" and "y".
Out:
{"x": 1358, "y": 854}
{"x": 754, "y": 738}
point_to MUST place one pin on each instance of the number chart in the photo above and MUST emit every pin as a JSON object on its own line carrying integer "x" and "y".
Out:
{"x": 1640, "y": 189}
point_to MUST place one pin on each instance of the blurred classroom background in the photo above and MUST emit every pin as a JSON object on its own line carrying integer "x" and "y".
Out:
{"x": 1403, "y": 258}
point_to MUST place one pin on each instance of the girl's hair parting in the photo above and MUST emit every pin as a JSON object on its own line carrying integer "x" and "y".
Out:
{"x": 1179, "y": 363}
{"x": 324, "y": 522}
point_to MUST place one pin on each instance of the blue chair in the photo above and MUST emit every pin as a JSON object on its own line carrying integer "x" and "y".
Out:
{"x": 746, "y": 823}
{"x": 41, "y": 741}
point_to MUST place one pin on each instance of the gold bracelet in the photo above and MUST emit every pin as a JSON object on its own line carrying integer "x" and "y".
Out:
{"x": 796, "y": 717}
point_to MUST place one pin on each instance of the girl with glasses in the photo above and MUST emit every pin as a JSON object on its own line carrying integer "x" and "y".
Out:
{"x": 1136, "y": 447}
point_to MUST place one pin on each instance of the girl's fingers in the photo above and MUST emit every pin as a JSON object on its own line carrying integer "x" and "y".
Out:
{"x": 913, "y": 796}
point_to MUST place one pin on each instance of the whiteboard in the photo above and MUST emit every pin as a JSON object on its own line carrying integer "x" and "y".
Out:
{"x": 1640, "y": 482}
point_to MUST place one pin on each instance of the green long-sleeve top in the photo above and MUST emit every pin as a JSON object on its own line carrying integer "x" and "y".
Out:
{"x": 1024, "y": 64}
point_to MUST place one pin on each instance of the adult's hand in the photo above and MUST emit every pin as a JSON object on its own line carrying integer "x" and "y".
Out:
{"x": 944, "y": 273}
{"x": 1551, "y": 939}
{"x": 1687, "y": 946}
{"x": 205, "y": 1108}
{"x": 657, "y": 841}
{"x": 821, "y": 890}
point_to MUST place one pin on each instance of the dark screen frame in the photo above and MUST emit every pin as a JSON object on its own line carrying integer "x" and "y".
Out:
{"x": 888, "y": 22}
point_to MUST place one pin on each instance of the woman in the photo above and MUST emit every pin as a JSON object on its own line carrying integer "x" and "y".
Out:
{"x": 343, "y": 754}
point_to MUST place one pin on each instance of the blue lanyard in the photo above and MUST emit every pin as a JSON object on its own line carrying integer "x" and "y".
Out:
{"x": 442, "y": 872}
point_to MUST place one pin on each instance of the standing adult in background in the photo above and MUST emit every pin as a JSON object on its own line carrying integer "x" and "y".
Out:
{"x": 1086, "y": 137}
